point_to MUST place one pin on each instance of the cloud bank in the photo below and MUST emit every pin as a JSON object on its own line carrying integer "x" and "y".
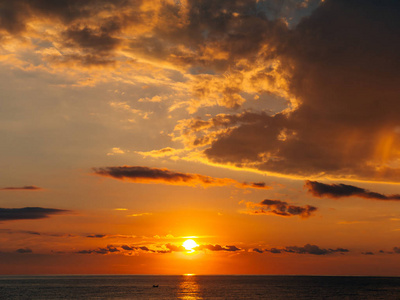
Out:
{"x": 306, "y": 249}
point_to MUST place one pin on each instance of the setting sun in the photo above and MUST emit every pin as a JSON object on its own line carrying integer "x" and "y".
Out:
{"x": 189, "y": 245}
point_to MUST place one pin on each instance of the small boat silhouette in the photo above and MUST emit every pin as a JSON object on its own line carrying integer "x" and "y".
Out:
{"x": 155, "y": 285}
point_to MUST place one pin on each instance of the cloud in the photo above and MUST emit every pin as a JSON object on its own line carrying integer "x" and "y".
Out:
{"x": 97, "y": 236}
{"x": 10, "y": 231}
{"x": 168, "y": 151}
{"x": 257, "y": 250}
{"x": 274, "y": 250}
{"x": 24, "y": 250}
{"x": 116, "y": 150}
{"x": 107, "y": 250}
{"x": 341, "y": 190}
{"x": 308, "y": 249}
{"x": 135, "y": 248}
{"x": 155, "y": 175}
{"x": 339, "y": 69}
{"x": 23, "y": 188}
{"x": 217, "y": 248}
{"x": 160, "y": 249}
{"x": 280, "y": 208}
{"x": 140, "y": 215}
{"x": 174, "y": 248}
{"x": 9, "y": 214}
{"x": 36, "y": 233}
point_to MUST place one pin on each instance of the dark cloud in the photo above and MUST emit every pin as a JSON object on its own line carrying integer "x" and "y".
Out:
{"x": 274, "y": 250}
{"x": 144, "y": 248}
{"x": 107, "y": 250}
{"x": 368, "y": 253}
{"x": 9, "y": 214}
{"x": 258, "y": 185}
{"x": 342, "y": 70}
{"x": 217, "y": 248}
{"x": 258, "y": 250}
{"x": 24, "y": 250}
{"x": 126, "y": 247}
{"x": 155, "y": 175}
{"x": 396, "y": 249}
{"x": 15, "y": 14}
{"x": 90, "y": 40}
{"x": 134, "y": 248}
{"x": 26, "y": 188}
{"x": 97, "y": 236}
{"x": 308, "y": 249}
{"x": 10, "y": 231}
{"x": 281, "y": 208}
{"x": 319, "y": 189}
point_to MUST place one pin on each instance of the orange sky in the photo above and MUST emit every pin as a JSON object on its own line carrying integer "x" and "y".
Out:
{"x": 266, "y": 131}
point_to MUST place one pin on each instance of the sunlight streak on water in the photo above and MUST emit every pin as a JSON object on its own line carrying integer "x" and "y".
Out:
{"x": 189, "y": 288}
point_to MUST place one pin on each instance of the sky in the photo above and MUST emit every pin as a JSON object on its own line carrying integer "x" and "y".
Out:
{"x": 266, "y": 131}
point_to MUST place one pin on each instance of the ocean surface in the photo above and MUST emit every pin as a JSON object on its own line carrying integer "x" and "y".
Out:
{"x": 198, "y": 287}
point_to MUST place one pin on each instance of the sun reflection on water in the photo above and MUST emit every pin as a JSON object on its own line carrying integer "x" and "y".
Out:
{"x": 189, "y": 288}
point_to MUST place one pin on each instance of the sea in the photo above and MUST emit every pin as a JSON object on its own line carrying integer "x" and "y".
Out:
{"x": 198, "y": 287}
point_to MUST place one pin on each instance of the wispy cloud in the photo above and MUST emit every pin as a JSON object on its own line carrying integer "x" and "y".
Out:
{"x": 141, "y": 174}
{"x": 140, "y": 214}
{"x": 21, "y": 188}
{"x": 26, "y": 213}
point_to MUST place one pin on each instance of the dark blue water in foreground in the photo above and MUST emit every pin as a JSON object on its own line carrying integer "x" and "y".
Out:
{"x": 198, "y": 287}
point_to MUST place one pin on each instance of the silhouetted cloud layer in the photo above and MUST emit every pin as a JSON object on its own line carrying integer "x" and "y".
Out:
{"x": 341, "y": 190}
{"x": 106, "y": 250}
{"x": 155, "y": 175}
{"x": 9, "y": 214}
{"x": 217, "y": 247}
{"x": 306, "y": 249}
{"x": 280, "y": 208}
{"x": 160, "y": 249}
{"x": 26, "y": 188}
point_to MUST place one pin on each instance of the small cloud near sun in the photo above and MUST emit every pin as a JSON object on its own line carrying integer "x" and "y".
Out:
{"x": 116, "y": 150}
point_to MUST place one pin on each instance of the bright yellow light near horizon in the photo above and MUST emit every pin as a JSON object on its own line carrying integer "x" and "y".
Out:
{"x": 189, "y": 245}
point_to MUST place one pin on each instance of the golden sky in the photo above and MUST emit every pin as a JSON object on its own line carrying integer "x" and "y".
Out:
{"x": 266, "y": 132}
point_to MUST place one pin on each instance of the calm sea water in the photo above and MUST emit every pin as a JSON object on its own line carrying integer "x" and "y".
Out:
{"x": 198, "y": 287}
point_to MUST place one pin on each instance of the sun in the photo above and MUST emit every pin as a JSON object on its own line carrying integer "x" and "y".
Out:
{"x": 189, "y": 245}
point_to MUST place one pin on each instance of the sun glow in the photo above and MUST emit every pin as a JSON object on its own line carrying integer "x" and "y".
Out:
{"x": 189, "y": 245}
